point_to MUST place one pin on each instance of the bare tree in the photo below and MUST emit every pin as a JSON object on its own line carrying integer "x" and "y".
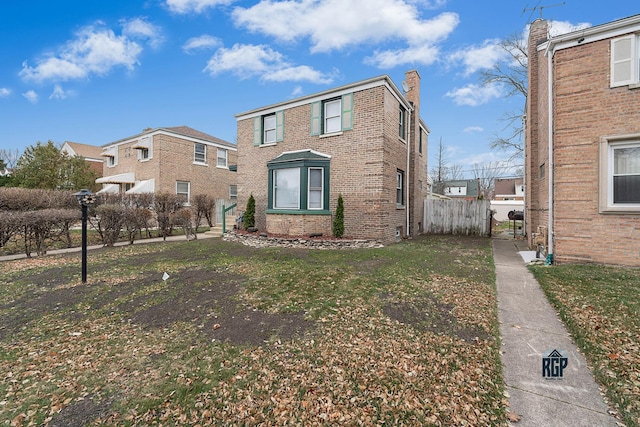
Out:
{"x": 512, "y": 75}
{"x": 442, "y": 171}
{"x": 486, "y": 174}
{"x": 10, "y": 157}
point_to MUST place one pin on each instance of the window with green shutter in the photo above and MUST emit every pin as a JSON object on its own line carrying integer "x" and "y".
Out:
{"x": 268, "y": 129}
{"x": 332, "y": 115}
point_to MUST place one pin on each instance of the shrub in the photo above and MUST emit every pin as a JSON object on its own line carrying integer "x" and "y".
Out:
{"x": 338, "y": 219}
{"x": 249, "y": 218}
{"x": 205, "y": 207}
{"x": 165, "y": 204}
{"x": 109, "y": 221}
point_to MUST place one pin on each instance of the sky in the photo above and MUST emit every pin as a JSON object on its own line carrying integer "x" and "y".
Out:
{"x": 98, "y": 71}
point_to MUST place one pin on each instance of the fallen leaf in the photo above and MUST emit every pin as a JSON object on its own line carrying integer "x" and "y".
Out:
{"x": 513, "y": 417}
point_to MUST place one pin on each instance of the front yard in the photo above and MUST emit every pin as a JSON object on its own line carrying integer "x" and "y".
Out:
{"x": 401, "y": 335}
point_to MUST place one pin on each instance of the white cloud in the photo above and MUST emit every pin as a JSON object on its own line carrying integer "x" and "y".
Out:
{"x": 336, "y": 24}
{"x": 140, "y": 28}
{"x": 473, "y": 129}
{"x": 297, "y": 91}
{"x": 473, "y": 95}
{"x": 4, "y": 92}
{"x": 260, "y": 60}
{"x": 60, "y": 93}
{"x": 95, "y": 51}
{"x": 423, "y": 55}
{"x": 476, "y": 58}
{"x": 204, "y": 41}
{"x": 185, "y": 6}
{"x": 562, "y": 27}
{"x": 31, "y": 96}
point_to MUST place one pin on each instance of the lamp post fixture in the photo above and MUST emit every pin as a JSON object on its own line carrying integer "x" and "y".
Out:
{"x": 85, "y": 198}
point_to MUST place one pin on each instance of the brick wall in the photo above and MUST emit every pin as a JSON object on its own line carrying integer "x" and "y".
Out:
{"x": 363, "y": 166}
{"x": 172, "y": 160}
{"x": 585, "y": 109}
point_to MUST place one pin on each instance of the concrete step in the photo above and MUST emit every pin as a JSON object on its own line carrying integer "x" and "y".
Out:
{"x": 216, "y": 230}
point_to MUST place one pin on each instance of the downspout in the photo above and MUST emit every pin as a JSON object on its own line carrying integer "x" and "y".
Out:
{"x": 550, "y": 247}
{"x": 408, "y": 206}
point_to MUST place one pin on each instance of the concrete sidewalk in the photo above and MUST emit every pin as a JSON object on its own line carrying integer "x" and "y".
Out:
{"x": 530, "y": 329}
{"x": 180, "y": 238}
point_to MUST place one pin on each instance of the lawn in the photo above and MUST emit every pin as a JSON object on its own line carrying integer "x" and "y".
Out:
{"x": 401, "y": 335}
{"x": 601, "y": 308}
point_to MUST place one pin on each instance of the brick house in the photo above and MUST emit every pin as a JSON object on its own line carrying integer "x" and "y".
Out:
{"x": 582, "y": 143}
{"x": 91, "y": 154}
{"x": 178, "y": 160}
{"x": 364, "y": 141}
{"x": 508, "y": 189}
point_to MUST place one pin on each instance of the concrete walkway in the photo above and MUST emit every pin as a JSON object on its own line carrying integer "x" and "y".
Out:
{"x": 181, "y": 238}
{"x": 530, "y": 329}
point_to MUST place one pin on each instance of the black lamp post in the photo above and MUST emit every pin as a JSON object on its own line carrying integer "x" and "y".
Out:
{"x": 85, "y": 198}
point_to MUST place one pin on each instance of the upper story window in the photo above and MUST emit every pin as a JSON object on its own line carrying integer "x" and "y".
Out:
{"x": 625, "y": 61}
{"x": 222, "y": 158}
{"x": 200, "y": 153}
{"x": 144, "y": 148}
{"x": 268, "y": 129}
{"x": 111, "y": 155}
{"x": 332, "y": 115}
{"x": 402, "y": 122}
{"x": 269, "y": 123}
{"x": 619, "y": 175}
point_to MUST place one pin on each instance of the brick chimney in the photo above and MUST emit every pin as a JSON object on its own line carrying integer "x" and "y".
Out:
{"x": 536, "y": 123}
{"x": 412, "y": 78}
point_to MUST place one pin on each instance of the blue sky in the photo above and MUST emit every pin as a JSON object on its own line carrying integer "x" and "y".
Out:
{"x": 98, "y": 71}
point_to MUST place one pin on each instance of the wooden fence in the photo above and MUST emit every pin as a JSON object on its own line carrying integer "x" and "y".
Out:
{"x": 457, "y": 217}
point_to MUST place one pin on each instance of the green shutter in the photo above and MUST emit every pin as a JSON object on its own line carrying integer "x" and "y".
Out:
{"x": 347, "y": 111}
{"x": 316, "y": 109}
{"x": 279, "y": 126}
{"x": 257, "y": 131}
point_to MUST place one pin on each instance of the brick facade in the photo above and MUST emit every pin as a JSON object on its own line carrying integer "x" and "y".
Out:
{"x": 172, "y": 159}
{"x": 585, "y": 109}
{"x": 363, "y": 163}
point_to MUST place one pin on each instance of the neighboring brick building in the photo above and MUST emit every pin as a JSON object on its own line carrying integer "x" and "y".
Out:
{"x": 508, "y": 189}
{"x": 364, "y": 140}
{"x": 582, "y": 143}
{"x": 177, "y": 160}
{"x": 90, "y": 153}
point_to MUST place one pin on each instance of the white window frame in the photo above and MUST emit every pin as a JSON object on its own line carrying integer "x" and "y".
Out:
{"x": 625, "y": 61}
{"x": 326, "y": 117}
{"x": 144, "y": 154}
{"x": 607, "y": 147}
{"x": 275, "y": 189}
{"x": 269, "y": 131}
{"x": 224, "y": 156}
{"x": 233, "y": 191}
{"x": 188, "y": 193}
{"x": 197, "y": 156}
{"x": 315, "y": 189}
{"x": 402, "y": 122}
{"x": 399, "y": 188}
